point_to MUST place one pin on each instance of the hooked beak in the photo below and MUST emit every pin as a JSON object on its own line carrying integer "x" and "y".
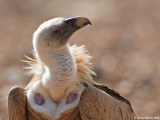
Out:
{"x": 77, "y": 22}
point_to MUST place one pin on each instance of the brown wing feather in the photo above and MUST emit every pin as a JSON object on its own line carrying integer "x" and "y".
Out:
{"x": 112, "y": 93}
{"x": 17, "y": 104}
{"x": 97, "y": 105}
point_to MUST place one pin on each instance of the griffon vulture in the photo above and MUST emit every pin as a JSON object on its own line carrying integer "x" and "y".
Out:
{"x": 62, "y": 87}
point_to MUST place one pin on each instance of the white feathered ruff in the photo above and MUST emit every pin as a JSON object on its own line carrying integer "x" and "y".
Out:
{"x": 82, "y": 59}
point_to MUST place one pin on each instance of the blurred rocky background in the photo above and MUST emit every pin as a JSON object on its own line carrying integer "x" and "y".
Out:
{"x": 124, "y": 41}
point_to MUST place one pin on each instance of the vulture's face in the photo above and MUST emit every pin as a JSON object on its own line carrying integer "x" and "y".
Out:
{"x": 56, "y": 32}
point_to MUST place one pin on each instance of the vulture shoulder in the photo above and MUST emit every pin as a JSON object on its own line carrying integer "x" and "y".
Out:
{"x": 101, "y": 103}
{"x": 17, "y": 104}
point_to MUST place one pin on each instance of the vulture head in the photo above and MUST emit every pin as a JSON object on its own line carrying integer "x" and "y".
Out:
{"x": 54, "y": 34}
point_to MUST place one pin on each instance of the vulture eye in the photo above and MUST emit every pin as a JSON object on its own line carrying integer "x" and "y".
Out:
{"x": 57, "y": 32}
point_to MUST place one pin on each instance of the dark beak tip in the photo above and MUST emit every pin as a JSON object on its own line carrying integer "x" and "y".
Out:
{"x": 90, "y": 23}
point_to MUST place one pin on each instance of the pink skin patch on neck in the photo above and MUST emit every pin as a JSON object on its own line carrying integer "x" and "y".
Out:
{"x": 71, "y": 97}
{"x": 38, "y": 98}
